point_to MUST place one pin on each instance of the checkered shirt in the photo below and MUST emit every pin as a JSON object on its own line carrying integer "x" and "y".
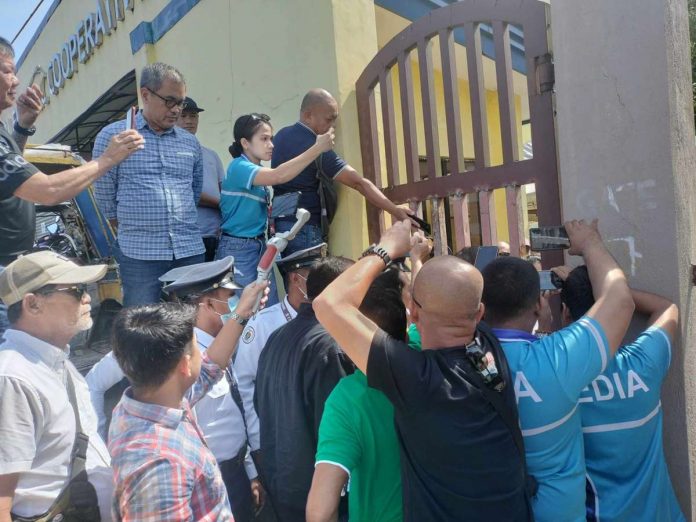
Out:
{"x": 163, "y": 470}
{"x": 154, "y": 193}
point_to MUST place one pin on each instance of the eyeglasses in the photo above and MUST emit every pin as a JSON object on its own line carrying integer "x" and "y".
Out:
{"x": 77, "y": 291}
{"x": 503, "y": 254}
{"x": 170, "y": 103}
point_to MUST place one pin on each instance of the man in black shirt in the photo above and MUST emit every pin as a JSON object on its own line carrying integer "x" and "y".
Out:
{"x": 459, "y": 458}
{"x": 298, "y": 368}
{"x": 21, "y": 183}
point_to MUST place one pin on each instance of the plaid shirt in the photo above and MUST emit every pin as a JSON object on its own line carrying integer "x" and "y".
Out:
{"x": 154, "y": 193}
{"x": 163, "y": 470}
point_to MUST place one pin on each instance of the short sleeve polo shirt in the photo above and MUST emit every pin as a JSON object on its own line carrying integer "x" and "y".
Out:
{"x": 289, "y": 143}
{"x": 243, "y": 205}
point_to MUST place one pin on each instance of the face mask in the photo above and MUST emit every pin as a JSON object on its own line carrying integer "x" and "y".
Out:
{"x": 232, "y": 303}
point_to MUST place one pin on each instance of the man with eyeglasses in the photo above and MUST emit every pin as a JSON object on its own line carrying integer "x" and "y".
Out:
{"x": 151, "y": 198}
{"x": 44, "y": 400}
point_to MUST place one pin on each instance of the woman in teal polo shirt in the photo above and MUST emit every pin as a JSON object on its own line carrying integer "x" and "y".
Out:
{"x": 245, "y": 196}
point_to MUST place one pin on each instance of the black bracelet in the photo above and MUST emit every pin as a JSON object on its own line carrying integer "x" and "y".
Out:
{"x": 378, "y": 251}
{"x": 21, "y": 130}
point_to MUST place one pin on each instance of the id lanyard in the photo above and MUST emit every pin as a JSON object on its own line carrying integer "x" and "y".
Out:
{"x": 285, "y": 310}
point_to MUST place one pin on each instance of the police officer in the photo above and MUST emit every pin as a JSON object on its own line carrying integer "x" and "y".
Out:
{"x": 212, "y": 288}
{"x": 294, "y": 269}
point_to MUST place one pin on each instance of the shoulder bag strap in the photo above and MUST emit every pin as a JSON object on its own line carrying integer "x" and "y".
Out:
{"x": 78, "y": 458}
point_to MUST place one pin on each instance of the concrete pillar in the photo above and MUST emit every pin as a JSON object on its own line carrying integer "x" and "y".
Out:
{"x": 627, "y": 155}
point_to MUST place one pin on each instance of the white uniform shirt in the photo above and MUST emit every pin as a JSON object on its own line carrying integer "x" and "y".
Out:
{"x": 246, "y": 363}
{"x": 218, "y": 416}
{"x": 37, "y": 425}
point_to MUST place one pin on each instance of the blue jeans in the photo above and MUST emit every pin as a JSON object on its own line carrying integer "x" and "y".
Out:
{"x": 140, "y": 278}
{"x": 247, "y": 254}
{"x": 308, "y": 236}
{"x": 4, "y": 323}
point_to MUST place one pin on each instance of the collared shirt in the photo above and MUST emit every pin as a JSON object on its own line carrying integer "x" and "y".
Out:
{"x": 154, "y": 193}
{"x": 622, "y": 431}
{"x": 549, "y": 374}
{"x": 17, "y": 216}
{"x": 218, "y": 416}
{"x": 244, "y": 206}
{"x": 213, "y": 174}
{"x": 246, "y": 362}
{"x": 163, "y": 469}
{"x": 289, "y": 142}
{"x": 37, "y": 425}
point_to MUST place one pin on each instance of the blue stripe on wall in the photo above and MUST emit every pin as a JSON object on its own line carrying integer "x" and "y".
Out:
{"x": 151, "y": 32}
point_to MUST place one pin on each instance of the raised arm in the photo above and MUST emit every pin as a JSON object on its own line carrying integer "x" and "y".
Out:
{"x": 325, "y": 493}
{"x": 613, "y": 306}
{"x": 350, "y": 178}
{"x": 661, "y": 312}
{"x": 292, "y": 168}
{"x": 225, "y": 344}
{"x": 65, "y": 185}
{"x": 337, "y": 307}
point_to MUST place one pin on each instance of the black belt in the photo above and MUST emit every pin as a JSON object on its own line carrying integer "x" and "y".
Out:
{"x": 260, "y": 237}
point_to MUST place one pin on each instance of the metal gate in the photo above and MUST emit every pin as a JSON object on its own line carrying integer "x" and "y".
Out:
{"x": 448, "y": 186}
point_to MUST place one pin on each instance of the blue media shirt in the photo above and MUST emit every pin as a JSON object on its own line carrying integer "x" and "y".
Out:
{"x": 289, "y": 143}
{"x": 243, "y": 205}
{"x": 153, "y": 193}
{"x": 622, "y": 429}
{"x": 549, "y": 375}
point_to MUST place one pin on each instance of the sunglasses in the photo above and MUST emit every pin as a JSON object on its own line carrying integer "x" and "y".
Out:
{"x": 77, "y": 291}
{"x": 170, "y": 103}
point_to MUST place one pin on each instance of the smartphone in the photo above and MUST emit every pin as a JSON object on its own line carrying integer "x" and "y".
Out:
{"x": 130, "y": 117}
{"x": 424, "y": 225}
{"x": 548, "y": 280}
{"x": 485, "y": 255}
{"x": 285, "y": 205}
{"x": 548, "y": 238}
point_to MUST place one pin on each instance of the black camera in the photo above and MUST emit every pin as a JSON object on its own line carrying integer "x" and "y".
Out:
{"x": 485, "y": 365}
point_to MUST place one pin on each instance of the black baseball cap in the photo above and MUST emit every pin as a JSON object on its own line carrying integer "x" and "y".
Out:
{"x": 192, "y": 106}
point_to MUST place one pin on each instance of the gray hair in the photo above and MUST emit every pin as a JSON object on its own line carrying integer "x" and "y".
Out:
{"x": 153, "y": 75}
{"x": 6, "y": 48}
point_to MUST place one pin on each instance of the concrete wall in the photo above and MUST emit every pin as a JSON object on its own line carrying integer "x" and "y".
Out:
{"x": 627, "y": 156}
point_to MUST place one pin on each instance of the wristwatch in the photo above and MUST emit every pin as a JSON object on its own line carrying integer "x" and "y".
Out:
{"x": 376, "y": 250}
{"x": 21, "y": 130}
{"x": 239, "y": 319}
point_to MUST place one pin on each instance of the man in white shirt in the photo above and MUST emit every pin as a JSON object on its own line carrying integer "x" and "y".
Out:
{"x": 213, "y": 174}
{"x": 47, "y": 304}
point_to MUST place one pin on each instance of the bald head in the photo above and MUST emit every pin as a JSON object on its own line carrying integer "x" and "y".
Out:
{"x": 316, "y": 97}
{"x": 319, "y": 110}
{"x": 449, "y": 288}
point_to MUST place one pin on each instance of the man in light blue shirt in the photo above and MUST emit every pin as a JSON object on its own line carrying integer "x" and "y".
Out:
{"x": 151, "y": 197}
{"x": 622, "y": 413}
{"x": 551, "y": 372}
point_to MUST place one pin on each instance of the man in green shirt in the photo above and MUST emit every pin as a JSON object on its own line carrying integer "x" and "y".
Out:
{"x": 357, "y": 439}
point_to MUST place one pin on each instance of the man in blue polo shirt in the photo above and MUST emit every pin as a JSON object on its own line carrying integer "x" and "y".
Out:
{"x": 318, "y": 113}
{"x": 551, "y": 372}
{"x": 622, "y": 413}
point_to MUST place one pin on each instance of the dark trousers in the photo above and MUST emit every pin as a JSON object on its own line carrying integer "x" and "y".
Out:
{"x": 238, "y": 489}
{"x": 210, "y": 243}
